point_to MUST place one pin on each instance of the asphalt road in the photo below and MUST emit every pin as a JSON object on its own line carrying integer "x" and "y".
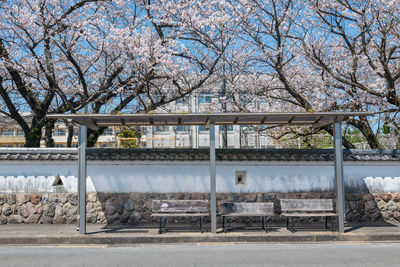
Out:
{"x": 206, "y": 254}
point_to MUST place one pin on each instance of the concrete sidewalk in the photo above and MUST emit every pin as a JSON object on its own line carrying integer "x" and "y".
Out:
{"x": 103, "y": 234}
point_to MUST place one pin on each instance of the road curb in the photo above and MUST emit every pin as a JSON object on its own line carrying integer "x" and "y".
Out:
{"x": 112, "y": 240}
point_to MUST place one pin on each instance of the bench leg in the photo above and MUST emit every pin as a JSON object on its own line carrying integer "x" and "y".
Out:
{"x": 266, "y": 224}
{"x": 326, "y": 222}
{"x": 287, "y": 223}
{"x": 292, "y": 224}
{"x": 331, "y": 218}
{"x": 224, "y": 223}
{"x": 159, "y": 225}
{"x": 263, "y": 223}
{"x": 201, "y": 224}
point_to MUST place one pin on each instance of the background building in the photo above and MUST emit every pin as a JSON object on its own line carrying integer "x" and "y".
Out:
{"x": 181, "y": 136}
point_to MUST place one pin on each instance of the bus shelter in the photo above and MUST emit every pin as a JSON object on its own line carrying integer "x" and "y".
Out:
{"x": 316, "y": 119}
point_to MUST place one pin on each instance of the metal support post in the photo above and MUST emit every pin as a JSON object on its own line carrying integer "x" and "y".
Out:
{"x": 213, "y": 184}
{"x": 339, "y": 178}
{"x": 82, "y": 174}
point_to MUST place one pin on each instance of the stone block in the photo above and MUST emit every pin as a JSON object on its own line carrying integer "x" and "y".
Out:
{"x": 124, "y": 218}
{"x": 370, "y": 206}
{"x": 120, "y": 208}
{"x": 45, "y": 198}
{"x": 387, "y": 215}
{"x": 386, "y": 197}
{"x": 34, "y": 218}
{"x": 269, "y": 196}
{"x": 110, "y": 207}
{"x": 396, "y": 197}
{"x": 59, "y": 219}
{"x": 91, "y": 218}
{"x": 101, "y": 218}
{"x": 128, "y": 206}
{"x": 22, "y": 199}
{"x": 36, "y": 198}
{"x": 92, "y": 197}
{"x": 3, "y": 219}
{"x": 251, "y": 197}
{"x": 368, "y": 197}
{"x": 62, "y": 198}
{"x": 58, "y": 211}
{"x": 134, "y": 218}
{"x": 7, "y": 209}
{"x": 89, "y": 207}
{"x": 3, "y": 199}
{"x": 11, "y": 199}
{"x": 135, "y": 197}
{"x": 72, "y": 219}
{"x": 353, "y": 206}
{"x": 377, "y": 197}
{"x": 197, "y": 196}
{"x": 46, "y": 219}
{"x": 53, "y": 198}
{"x": 180, "y": 196}
{"x": 73, "y": 199}
{"x": 69, "y": 210}
{"x": 15, "y": 219}
{"x": 49, "y": 210}
{"x": 396, "y": 216}
{"x": 39, "y": 208}
{"x": 22, "y": 210}
{"x": 382, "y": 205}
{"x": 391, "y": 206}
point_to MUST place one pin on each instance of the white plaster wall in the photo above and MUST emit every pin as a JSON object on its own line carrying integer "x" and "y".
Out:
{"x": 164, "y": 177}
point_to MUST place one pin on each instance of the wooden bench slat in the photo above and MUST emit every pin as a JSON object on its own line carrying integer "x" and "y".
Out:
{"x": 246, "y": 214}
{"x": 180, "y": 206}
{"x": 306, "y": 205}
{"x": 292, "y": 214}
{"x": 256, "y": 209}
{"x": 180, "y": 214}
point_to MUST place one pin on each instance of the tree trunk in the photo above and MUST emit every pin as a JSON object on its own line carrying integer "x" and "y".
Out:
{"x": 32, "y": 138}
{"x": 346, "y": 143}
{"x": 70, "y": 135}
{"x": 93, "y": 136}
{"x": 48, "y": 135}
{"x": 366, "y": 131}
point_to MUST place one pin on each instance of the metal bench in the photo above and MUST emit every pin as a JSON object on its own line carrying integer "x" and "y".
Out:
{"x": 292, "y": 208}
{"x": 179, "y": 208}
{"x": 241, "y": 209}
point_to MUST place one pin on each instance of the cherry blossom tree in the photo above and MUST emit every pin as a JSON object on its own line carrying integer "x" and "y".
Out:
{"x": 99, "y": 56}
{"x": 354, "y": 46}
{"x": 318, "y": 56}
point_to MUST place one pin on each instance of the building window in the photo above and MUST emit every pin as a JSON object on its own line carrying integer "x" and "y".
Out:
{"x": 7, "y": 145}
{"x": 161, "y": 129}
{"x": 202, "y": 128}
{"x": 108, "y": 131}
{"x": 182, "y": 128}
{"x": 228, "y": 127}
{"x": 106, "y": 145}
{"x": 59, "y": 132}
{"x": 59, "y": 145}
{"x": 20, "y": 132}
{"x": 204, "y": 98}
{"x": 183, "y": 101}
{"x": 7, "y": 132}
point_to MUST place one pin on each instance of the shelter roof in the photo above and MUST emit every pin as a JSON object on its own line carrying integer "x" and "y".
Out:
{"x": 317, "y": 119}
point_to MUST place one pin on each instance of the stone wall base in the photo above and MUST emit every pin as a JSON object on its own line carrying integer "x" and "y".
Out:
{"x": 135, "y": 208}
